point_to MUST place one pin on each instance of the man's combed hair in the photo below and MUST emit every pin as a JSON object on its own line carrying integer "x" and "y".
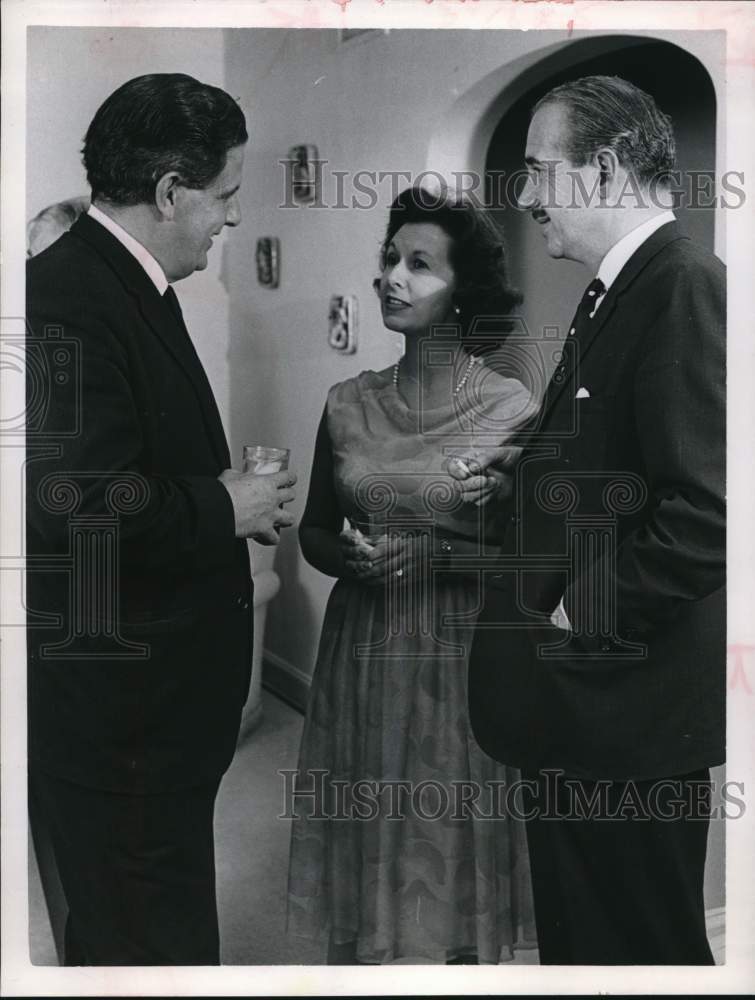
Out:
{"x": 156, "y": 124}
{"x": 478, "y": 254}
{"x": 606, "y": 111}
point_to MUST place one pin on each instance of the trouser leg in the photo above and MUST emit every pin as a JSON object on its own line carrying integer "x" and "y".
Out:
{"x": 624, "y": 885}
{"x": 138, "y": 872}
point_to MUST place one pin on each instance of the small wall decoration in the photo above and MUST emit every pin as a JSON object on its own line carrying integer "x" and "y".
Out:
{"x": 342, "y": 325}
{"x": 304, "y": 174}
{"x": 268, "y": 261}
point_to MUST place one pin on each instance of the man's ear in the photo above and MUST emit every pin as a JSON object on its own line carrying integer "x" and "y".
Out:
{"x": 166, "y": 194}
{"x": 608, "y": 166}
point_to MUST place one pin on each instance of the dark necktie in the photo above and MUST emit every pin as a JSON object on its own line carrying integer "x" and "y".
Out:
{"x": 579, "y": 324}
{"x": 172, "y": 299}
{"x": 586, "y": 306}
{"x": 199, "y": 377}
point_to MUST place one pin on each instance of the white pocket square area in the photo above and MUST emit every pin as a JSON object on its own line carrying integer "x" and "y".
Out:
{"x": 582, "y": 393}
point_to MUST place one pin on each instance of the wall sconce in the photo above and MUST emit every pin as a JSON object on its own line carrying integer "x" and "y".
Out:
{"x": 342, "y": 324}
{"x": 268, "y": 261}
{"x": 303, "y": 161}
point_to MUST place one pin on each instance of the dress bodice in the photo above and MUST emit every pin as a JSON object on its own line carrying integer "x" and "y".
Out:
{"x": 390, "y": 460}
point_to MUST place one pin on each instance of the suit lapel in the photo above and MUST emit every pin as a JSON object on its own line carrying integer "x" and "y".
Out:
{"x": 628, "y": 274}
{"x": 162, "y": 321}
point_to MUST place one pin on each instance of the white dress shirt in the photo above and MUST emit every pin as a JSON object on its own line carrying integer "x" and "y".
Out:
{"x": 134, "y": 247}
{"x": 608, "y": 272}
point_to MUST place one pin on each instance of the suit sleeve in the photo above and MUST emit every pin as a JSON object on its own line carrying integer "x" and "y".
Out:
{"x": 678, "y": 553}
{"x": 182, "y": 521}
{"x": 322, "y": 509}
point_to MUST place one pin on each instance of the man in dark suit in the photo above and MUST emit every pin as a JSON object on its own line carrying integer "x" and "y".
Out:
{"x": 139, "y": 589}
{"x": 599, "y": 662}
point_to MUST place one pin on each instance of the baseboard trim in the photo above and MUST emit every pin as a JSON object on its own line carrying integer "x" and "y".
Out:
{"x": 285, "y": 681}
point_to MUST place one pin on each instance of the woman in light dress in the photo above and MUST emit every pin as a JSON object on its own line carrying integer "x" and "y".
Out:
{"x": 402, "y": 851}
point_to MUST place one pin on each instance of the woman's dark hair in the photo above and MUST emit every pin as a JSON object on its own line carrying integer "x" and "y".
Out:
{"x": 483, "y": 294}
{"x": 606, "y": 111}
{"x": 155, "y": 124}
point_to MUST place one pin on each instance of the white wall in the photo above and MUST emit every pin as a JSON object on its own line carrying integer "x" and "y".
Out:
{"x": 70, "y": 71}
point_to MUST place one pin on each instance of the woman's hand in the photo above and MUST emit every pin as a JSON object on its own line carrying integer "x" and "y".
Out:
{"x": 373, "y": 561}
{"x": 356, "y": 550}
{"x": 483, "y": 474}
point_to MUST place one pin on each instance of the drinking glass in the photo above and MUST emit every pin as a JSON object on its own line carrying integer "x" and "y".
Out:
{"x": 262, "y": 460}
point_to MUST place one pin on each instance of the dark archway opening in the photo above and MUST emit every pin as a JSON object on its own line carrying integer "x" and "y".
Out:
{"x": 682, "y": 88}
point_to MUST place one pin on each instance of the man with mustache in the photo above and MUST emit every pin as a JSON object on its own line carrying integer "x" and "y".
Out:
{"x": 137, "y": 677}
{"x": 599, "y": 659}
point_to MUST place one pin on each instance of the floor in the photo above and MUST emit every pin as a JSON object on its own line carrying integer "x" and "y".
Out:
{"x": 252, "y": 857}
{"x": 251, "y": 846}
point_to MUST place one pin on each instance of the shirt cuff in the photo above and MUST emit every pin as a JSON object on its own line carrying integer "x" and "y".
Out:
{"x": 560, "y": 619}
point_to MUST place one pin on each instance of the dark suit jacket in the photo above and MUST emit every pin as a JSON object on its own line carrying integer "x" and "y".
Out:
{"x": 619, "y": 506}
{"x": 140, "y": 685}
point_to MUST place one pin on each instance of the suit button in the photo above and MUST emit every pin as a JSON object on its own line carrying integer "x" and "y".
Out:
{"x": 605, "y": 647}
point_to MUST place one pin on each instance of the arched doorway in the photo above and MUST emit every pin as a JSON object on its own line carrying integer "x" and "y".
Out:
{"x": 682, "y": 88}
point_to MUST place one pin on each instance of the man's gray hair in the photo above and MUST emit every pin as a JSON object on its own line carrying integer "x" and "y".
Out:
{"x": 608, "y": 112}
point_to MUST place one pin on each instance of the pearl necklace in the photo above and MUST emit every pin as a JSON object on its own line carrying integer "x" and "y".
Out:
{"x": 459, "y": 385}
